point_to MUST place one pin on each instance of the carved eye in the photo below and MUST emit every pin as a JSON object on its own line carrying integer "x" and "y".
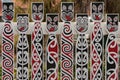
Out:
{"x": 40, "y": 7}
{"x": 19, "y": 19}
{"x": 4, "y": 7}
{"x": 34, "y": 7}
{"x": 79, "y": 19}
{"x": 55, "y": 19}
{"x": 109, "y": 19}
{"x": 85, "y": 19}
{"x": 70, "y": 7}
{"x": 64, "y": 7}
{"x": 49, "y": 19}
{"x": 115, "y": 19}
{"x": 25, "y": 19}
{"x": 94, "y": 7}
{"x": 11, "y": 7}
{"x": 100, "y": 7}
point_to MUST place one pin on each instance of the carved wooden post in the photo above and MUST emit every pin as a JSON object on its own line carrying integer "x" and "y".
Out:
{"x": 81, "y": 66}
{"x": 52, "y": 46}
{"x": 7, "y": 42}
{"x": 112, "y": 48}
{"x": 37, "y": 41}
{"x": 67, "y": 15}
{"x": 22, "y": 48}
{"x": 97, "y": 15}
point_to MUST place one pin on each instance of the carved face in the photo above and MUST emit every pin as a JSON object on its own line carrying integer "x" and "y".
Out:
{"x": 67, "y": 10}
{"x": 97, "y": 11}
{"x": 37, "y": 11}
{"x": 82, "y": 22}
{"x": 7, "y": 11}
{"x": 112, "y": 22}
{"x": 22, "y": 22}
{"x": 52, "y": 22}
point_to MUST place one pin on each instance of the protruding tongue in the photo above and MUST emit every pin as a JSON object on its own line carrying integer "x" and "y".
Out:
{"x": 112, "y": 29}
{"x": 97, "y": 18}
{"x": 8, "y": 17}
{"x": 52, "y": 29}
{"x": 68, "y": 18}
{"x": 81, "y": 29}
{"x": 37, "y": 17}
{"x": 22, "y": 28}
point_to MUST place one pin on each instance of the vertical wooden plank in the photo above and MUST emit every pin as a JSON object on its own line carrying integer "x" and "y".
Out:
{"x": 52, "y": 46}
{"x": 37, "y": 41}
{"x": 67, "y": 15}
{"x": 7, "y": 42}
{"x": 97, "y": 11}
{"x": 112, "y": 48}
{"x": 81, "y": 65}
{"x": 22, "y": 48}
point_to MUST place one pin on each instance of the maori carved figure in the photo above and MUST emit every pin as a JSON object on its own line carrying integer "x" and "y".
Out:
{"x": 97, "y": 10}
{"x": 67, "y": 15}
{"x": 52, "y": 46}
{"x": 81, "y": 47}
{"x": 37, "y": 41}
{"x": 22, "y": 48}
{"x": 112, "y": 57}
{"x": 7, "y": 41}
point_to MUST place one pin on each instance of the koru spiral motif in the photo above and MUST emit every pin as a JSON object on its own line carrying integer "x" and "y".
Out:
{"x": 22, "y": 48}
{"x": 81, "y": 48}
{"x": 7, "y": 42}
{"x": 52, "y": 58}
{"x": 67, "y": 15}
{"x": 112, "y": 48}
{"x": 52, "y": 46}
{"x": 97, "y": 9}
{"x": 67, "y": 53}
{"x": 37, "y": 42}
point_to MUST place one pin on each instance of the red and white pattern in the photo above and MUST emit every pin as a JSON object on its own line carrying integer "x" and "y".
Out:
{"x": 81, "y": 65}
{"x": 112, "y": 55}
{"x": 37, "y": 52}
{"x": 97, "y": 52}
{"x": 7, "y": 52}
{"x": 22, "y": 48}
{"x": 52, "y": 58}
{"x": 112, "y": 58}
{"x": 67, "y": 52}
{"x": 81, "y": 58}
{"x": 52, "y": 46}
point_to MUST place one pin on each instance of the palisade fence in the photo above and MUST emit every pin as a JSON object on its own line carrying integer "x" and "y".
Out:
{"x": 87, "y": 49}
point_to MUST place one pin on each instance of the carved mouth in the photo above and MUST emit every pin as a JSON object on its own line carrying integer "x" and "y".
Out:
{"x": 21, "y": 28}
{"x": 97, "y": 17}
{"x": 81, "y": 29}
{"x": 68, "y": 17}
{"x": 112, "y": 29}
{"x": 37, "y": 17}
{"x": 52, "y": 29}
{"x": 9, "y": 17}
